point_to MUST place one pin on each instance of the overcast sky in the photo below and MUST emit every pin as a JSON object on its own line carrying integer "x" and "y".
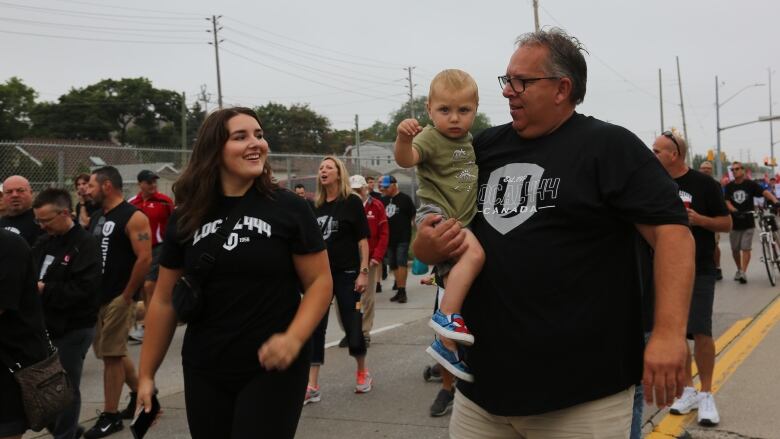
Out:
{"x": 348, "y": 57}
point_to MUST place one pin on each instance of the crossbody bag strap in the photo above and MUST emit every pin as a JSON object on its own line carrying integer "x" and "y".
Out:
{"x": 207, "y": 258}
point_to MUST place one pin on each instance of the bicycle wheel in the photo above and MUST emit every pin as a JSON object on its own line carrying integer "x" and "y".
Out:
{"x": 776, "y": 251}
{"x": 768, "y": 259}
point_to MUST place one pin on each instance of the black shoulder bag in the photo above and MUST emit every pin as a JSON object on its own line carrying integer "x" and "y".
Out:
{"x": 188, "y": 292}
{"x": 45, "y": 387}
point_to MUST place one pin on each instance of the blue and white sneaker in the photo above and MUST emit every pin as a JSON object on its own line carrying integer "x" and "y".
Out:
{"x": 451, "y": 326}
{"x": 452, "y": 361}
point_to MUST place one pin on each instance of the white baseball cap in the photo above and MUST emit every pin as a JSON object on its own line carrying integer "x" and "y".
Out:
{"x": 357, "y": 182}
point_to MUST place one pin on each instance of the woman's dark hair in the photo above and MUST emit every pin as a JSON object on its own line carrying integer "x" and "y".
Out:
{"x": 198, "y": 187}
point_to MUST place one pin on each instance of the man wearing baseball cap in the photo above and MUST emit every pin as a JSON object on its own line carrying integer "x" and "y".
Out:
{"x": 400, "y": 211}
{"x": 158, "y": 208}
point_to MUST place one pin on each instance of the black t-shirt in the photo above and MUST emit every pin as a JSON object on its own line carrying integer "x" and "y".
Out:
{"x": 556, "y": 306}
{"x": 400, "y": 213}
{"x": 23, "y": 225}
{"x": 703, "y": 194}
{"x": 343, "y": 223}
{"x": 252, "y": 291}
{"x": 22, "y": 331}
{"x": 110, "y": 228}
{"x": 741, "y": 197}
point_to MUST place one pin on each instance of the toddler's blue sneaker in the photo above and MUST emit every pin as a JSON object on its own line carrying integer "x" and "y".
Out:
{"x": 452, "y": 361}
{"x": 451, "y": 326}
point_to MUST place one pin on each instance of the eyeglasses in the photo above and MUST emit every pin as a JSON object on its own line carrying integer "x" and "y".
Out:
{"x": 45, "y": 221}
{"x": 518, "y": 85}
{"x": 670, "y": 136}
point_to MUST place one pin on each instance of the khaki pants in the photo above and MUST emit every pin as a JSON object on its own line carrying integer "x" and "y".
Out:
{"x": 367, "y": 300}
{"x": 605, "y": 418}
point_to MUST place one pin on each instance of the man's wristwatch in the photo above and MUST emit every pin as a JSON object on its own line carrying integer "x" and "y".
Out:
{"x": 364, "y": 270}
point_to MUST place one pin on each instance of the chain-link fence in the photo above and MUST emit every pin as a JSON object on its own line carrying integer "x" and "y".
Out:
{"x": 57, "y": 165}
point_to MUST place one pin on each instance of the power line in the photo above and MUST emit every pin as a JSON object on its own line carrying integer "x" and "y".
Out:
{"x": 337, "y": 76}
{"x": 313, "y": 81}
{"x": 127, "y": 8}
{"x": 88, "y": 27}
{"x": 95, "y": 14}
{"x": 380, "y": 63}
{"x": 307, "y": 53}
{"x": 107, "y": 40}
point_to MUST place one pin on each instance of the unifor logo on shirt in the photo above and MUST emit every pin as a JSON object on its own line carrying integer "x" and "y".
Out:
{"x": 686, "y": 198}
{"x": 740, "y": 196}
{"x": 248, "y": 223}
{"x": 512, "y": 194}
{"x": 108, "y": 228}
{"x": 391, "y": 210}
{"x": 13, "y": 230}
{"x": 328, "y": 226}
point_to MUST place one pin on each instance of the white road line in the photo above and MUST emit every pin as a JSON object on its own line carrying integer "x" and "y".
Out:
{"x": 375, "y": 331}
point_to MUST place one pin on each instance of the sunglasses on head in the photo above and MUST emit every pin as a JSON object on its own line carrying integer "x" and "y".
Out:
{"x": 670, "y": 136}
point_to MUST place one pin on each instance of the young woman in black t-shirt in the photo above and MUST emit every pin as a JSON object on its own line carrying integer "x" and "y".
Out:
{"x": 245, "y": 358}
{"x": 344, "y": 227}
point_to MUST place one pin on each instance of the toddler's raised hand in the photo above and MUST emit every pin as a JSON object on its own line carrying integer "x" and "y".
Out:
{"x": 408, "y": 128}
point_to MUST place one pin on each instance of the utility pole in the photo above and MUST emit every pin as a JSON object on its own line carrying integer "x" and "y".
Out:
{"x": 661, "y": 94}
{"x": 411, "y": 92}
{"x": 682, "y": 110}
{"x": 183, "y": 121}
{"x": 718, "y": 164}
{"x": 214, "y": 21}
{"x": 536, "y": 15}
{"x": 771, "y": 132}
{"x": 357, "y": 143}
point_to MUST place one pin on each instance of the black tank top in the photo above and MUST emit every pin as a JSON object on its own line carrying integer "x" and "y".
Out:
{"x": 117, "y": 251}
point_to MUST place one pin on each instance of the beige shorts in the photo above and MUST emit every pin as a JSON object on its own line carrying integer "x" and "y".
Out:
{"x": 741, "y": 239}
{"x": 604, "y": 418}
{"x": 113, "y": 326}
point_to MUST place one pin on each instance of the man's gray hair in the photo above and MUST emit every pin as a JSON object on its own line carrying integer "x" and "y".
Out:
{"x": 565, "y": 58}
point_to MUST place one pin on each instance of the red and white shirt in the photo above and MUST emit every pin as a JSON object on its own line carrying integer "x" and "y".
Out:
{"x": 158, "y": 209}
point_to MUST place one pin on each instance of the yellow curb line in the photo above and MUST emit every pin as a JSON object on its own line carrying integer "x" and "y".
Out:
{"x": 674, "y": 426}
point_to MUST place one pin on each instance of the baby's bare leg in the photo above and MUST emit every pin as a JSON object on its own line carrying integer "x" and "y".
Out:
{"x": 462, "y": 275}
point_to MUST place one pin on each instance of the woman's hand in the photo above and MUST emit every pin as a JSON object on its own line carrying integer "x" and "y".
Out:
{"x": 361, "y": 283}
{"x": 145, "y": 392}
{"x": 279, "y": 351}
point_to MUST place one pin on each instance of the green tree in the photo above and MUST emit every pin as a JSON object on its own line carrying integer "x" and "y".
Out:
{"x": 16, "y": 102}
{"x": 129, "y": 110}
{"x": 296, "y": 128}
{"x": 379, "y": 131}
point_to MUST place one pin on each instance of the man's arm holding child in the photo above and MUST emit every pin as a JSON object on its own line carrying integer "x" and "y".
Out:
{"x": 405, "y": 155}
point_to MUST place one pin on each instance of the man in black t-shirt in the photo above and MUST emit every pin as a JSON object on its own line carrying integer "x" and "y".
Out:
{"x": 556, "y": 308}
{"x": 739, "y": 200}
{"x": 19, "y": 217}
{"x": 400, "y": 211}
{"x": 707, "y": 215}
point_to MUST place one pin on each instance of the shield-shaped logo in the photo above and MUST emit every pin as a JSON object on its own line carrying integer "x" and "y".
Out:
{"x": 510, "y": 195}
{"x": 740, "y": 196}
{"x": 108, "y": 228}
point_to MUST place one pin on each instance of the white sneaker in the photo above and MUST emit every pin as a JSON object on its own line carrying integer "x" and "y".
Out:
{"x": 687, "y": 402}
{"x": 136, "y": 334}
{"x": 708, "y": 413}
{"x": 738, "y": 275}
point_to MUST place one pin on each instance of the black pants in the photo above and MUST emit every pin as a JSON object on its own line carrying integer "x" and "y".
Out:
{"x": 346, "y": 298}
{"x": 246, "y": 406}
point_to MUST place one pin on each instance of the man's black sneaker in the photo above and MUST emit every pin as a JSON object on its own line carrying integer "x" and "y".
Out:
{"x": 343, "y": 342}
{"x": 432, "y": 373}
{"x": 395, "y": 297}
{"x": 107, "y": 424}
{"x": 129, "y": 411}
{"x": 402, "y": 295}
{"x": 378, "y": 287}
{"x": 442, "y": 404}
